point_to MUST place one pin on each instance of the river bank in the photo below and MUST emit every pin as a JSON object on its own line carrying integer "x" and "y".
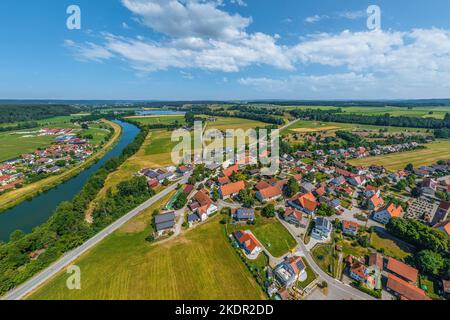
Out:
{"x": 28, "y": 192}
{"x": 35, "y": 212}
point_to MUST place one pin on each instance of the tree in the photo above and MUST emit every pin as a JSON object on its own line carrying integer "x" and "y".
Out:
{"x": 247, "y": 198}
{"x": 269, "y": 211}
{"x": 430, "y": 262}
{"x": 292, "y": 187}
{"x": 215, "y": 194}
{"x": 189, "y": 117}
{"x": 416, "y": 192}
{"x": 180, "y": 202}
{"x": 409, "y": 167}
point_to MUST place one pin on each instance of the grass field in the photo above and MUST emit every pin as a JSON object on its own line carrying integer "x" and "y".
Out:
{"x": 16, "y": 196}
{"x": 305, "y": 126}
{"x": 323, "y": 255}
{"x": 271, "y": 233}
{"x": 168, "y": 119}
{"x": 234, "y": 123}
{"x": 439, "y": 150}
{"x": 13, "y": 145}
{"x": 390, "y": 246}
{"x": 200, "y": 264}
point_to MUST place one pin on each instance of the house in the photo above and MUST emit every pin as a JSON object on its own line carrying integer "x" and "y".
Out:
{"x": 248, "y": 242}
{"x": 429, "y": 186}
{"x": 262, "y": 185}
{"x": 375, "y": 202}
{"x": 357, "y": 181}
{"x": 322, "y": 229}
{"x": 230, "y": 170}
{"x": 306, "y": 187}
{"x": 231, "y": 189}
{"x": 385, "y": 214}
{"x": 290, "y": 270}
{"x": 192, "y": 218}
{"x": 306, "y": 203}
{"x": 243, "y": 214}
{"x": 370, "y": 191}
{"x": 376, "y": 259}
{"x": 164, "y": 222}
{"x": 188, "y": 189}
{"x": 404, "y": 290}
{"x": 268, "y": 194}
{"x": 338, "y": 181}
{"x": 350, "y": 227}
{"x": 206, "y": 204}
{"x": 402, "y": 270}
{"x": 294, "y": 217}
{"x": 153, "y": 183}
{"x": 361, "y": 273}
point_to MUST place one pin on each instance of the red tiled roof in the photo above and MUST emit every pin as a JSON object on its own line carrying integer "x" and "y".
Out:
{"x": 350, "y": 225}
{"x": 376, "y": 201}
{"x": 291, "y": 211}
{"x": 232, "y": 188}
{"x": 394, "y": 211}
{"x": 360, "y": 270}
{"x": 402, "y": 269}
{"x": 376, "y": 259}
{"x": 308, "y": 201}
{"x": 223, "y": 180}
{"x": 230, "y": 170}
{"x": 270, "y": 192}
{"x": 262, "y": 185}
{"x": 248, "y": 239}
{"x": 406, "y": 290}
{"x": 203, "y": 198}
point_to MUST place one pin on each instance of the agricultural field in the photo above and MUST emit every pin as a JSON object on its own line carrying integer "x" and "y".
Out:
{"x": 166, "y": 119}
{"x": 435, "y": 151}
{"x": 196, "y": 265}
{"x": 305, "y": 126}
{"x": 234, "y": 123}
{"x": 14, "y": 144}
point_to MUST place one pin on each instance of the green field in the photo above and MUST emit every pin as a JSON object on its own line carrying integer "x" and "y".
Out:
{"x": 234, "y": 123}
{"x": 158, "y": 119}
{"x": 439, "y": 150}
{"x": 323, "y": 255}
{"x": 390, "y": 246}
{"x": 198, "y": 265}
{"x": 13, "y": 145}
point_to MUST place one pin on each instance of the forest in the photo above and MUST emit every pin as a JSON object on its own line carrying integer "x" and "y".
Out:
{"x": 17, "y": 113}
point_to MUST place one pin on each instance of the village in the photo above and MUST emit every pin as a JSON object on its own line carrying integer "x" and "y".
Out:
{"x": 322, "y": 202}
{"x": 67, "y": 150}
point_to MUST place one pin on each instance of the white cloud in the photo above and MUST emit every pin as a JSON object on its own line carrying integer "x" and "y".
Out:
{"x": 200, "y": 35}
{"x": 315, "y": 18}
{"x": 240, "y": 3}
{"x": 353, "y": 15}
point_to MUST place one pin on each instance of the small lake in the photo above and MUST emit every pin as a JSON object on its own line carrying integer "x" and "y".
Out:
{"x": 30, "y": 214}
{"x": 159, "y": 113}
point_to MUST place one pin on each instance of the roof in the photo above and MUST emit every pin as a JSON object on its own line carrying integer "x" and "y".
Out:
{"x": 270, "y": 192}
{"x": 193, "y": 217}
{"x": 402, "y": 269}
{"x": 244, "y": 213}
{"x": 161, "y": 218}
{"x": 376, "y": 259}
{"x": 232, "y": 188}
{"x": 376, "y": 201}
{"x": 247, "y": 239}
{"x": 350, "y": 225}
{"x": 404, "y": 289}
{"x": 203, "y": 198}
{"x": 188, "y": 189}
{"x": 296, "y": 264}
{"x": 292, "y": 212}
{"x": 230, "y": 170}
{"x": 262, "y": 185}
{"x": 223, "y": 180}
{"x": 308, "y": 201}
{"x": 394, "y": 211}
{"x": 165, "y": 225}
{"x": 359, "y": 269}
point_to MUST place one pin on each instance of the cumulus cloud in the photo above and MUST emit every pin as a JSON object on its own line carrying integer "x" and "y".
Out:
{"x": 201, "y": 35}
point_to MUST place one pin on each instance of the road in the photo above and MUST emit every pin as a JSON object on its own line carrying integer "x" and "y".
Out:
{"x": 341, "y": 290}
{"x": 32, "y": 284}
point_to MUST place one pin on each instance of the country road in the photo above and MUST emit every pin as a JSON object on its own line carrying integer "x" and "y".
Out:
{"x": 32, "y": 284}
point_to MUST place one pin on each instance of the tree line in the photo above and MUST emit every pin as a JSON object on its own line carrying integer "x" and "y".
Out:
{"x": 17, "y": 113}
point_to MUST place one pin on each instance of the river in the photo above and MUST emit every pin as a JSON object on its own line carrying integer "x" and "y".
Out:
{"x": 30, "y": 214}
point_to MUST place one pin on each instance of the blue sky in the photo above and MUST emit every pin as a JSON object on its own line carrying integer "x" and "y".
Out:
{"x": 224, "y": 49}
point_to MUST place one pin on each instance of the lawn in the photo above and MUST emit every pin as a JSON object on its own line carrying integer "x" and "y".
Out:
{"x": 200, "y": 264}
{"x": 391, "y": 246}
{"x": 311, "y": 276}
{"x": 438, "y": 150}
{"x": 271, "y": 233}
{"x": 323, "y": 255}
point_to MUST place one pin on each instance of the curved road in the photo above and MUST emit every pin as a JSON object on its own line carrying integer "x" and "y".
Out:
{"x": 32, "y": 284}
{"x": 346, "y": 292}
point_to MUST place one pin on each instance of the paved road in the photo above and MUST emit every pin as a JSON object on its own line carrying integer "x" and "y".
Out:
{"x": 341, "y": 290}
{"x": 32, "y": 284}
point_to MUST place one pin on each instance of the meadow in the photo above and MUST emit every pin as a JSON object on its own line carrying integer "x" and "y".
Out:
{"x": 13, "y": 145}
{"x": 199, "y": 264}
{"x": 433, "y": 152}
{"x": 234, "y": 123}
{"x": 167, "y": 119}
